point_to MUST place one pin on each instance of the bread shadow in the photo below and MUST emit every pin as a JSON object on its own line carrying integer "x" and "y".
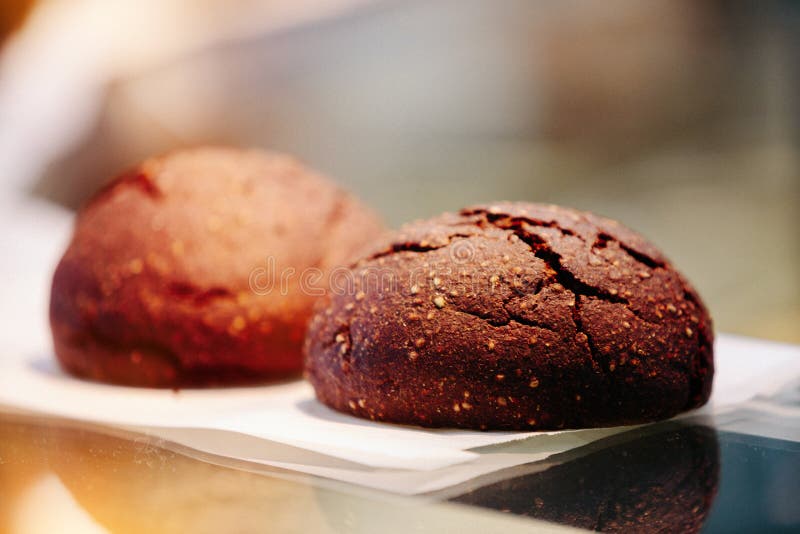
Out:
{"x": 49, "y": 367}
{"x": 314, "y": 408}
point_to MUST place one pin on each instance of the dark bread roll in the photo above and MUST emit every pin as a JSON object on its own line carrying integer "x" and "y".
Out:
{"x": 166, "y": 282}
{"x": 513, "y": 316}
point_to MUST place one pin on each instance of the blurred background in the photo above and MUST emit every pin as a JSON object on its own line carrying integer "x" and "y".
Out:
{"x": 678, "y": 117}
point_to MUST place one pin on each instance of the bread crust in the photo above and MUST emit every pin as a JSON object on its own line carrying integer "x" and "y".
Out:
{"x": 513, "y": 316}
{"x": 156, "y": 287}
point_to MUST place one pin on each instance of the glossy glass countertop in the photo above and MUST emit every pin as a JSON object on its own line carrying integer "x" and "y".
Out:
{"x": 687, "y": 476}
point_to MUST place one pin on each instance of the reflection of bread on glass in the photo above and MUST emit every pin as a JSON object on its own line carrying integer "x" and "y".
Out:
{"x": 663, "y": 481}
{"x": 22, "y": 462}
{"x": 190, "y": 269}
{"x": 28, "y": 484}
{"x": 12, "y": 15}
{"x": 132, "y": 484}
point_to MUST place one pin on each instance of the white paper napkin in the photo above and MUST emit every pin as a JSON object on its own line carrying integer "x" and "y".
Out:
{"x": 288, "y": 413}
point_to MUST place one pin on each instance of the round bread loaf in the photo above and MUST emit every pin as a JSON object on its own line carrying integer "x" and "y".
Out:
{"x": 201, "y": 268}
{"x": 512, "y": 316}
